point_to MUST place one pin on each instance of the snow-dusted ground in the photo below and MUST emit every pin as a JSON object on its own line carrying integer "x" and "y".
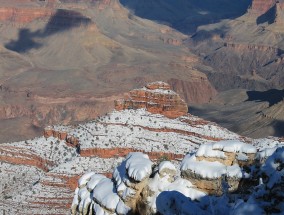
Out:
{"x": 137, "y": 129}
{"x": 50, "y": 149}
{"x": 80, "y": 165}
{"x": 142, "y": 130}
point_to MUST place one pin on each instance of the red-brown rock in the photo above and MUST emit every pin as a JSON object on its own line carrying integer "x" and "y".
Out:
{"x": 260, "y": 7}
{"x": 157, "y": 98}
{"x": 24, "y": 15}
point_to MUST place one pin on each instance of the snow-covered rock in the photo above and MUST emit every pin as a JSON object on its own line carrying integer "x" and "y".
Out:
{"x": 217, "y": 164}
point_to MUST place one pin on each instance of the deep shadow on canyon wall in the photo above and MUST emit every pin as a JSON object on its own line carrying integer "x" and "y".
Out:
{"x": 62, "y": 20}
{"x": 187, "y": 16}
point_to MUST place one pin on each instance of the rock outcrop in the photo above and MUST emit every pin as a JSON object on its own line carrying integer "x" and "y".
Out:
{"x": 143, "y": 187}
{"x": 132, "y": 189}
{"x": 279, "y": 14}
{"x": 271, "y": 11}
{"x": 61, "y": 133}
{"x": 217, "y": 168}
{"x": 260, "y": 7}
{"x": 98, "y": 194}
{"x": 24, "y": 15}
{"x": 157, "y": 98}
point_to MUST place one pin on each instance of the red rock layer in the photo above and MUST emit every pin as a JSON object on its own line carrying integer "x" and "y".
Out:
{"x": 61, "y": 135}
{"x": 121, "y": 152}
{"x": 24, "y": 15}
{"x": 15, "y": 155}
{"x": 260, "y": 7}
{"x": 157, "y": 98}
{"x": 188, "y": 133}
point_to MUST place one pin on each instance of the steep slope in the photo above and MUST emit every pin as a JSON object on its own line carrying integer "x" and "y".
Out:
{"x": 249, "y": 113}
{"x": 245, "y": 52}
{"x": 73, "y": 58}
{"x": 246, "y": 57}
{"x": 186, "y": 16}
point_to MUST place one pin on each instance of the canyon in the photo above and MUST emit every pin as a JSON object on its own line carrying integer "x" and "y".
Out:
{"x": 45, "y": 80}
{"x": 57, "y": 159}
{"x": 117, "y": 106}
{"x": 201, "y": 59}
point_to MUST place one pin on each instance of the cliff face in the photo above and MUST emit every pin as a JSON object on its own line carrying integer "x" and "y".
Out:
{"x": 155, "y": 98}
{"x": 279, "y": 14}
{"x": 24, "y": 15}
{"x": 260, "y": 7}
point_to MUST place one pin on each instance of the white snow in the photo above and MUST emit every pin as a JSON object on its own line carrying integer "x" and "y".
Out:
{"x": 206, "y": 150}
{"x": 269, "y": 142}
{"x": 265, "y": 153}
{"x": 208, "y": 169}
{"x": 138, "y": 165}
{"x": 85, "y": 178}
{"x": 234, "y": 146}
{"x": 142, "y": 130}
{"x": 166, "y": 165}
{"x": 83, "y": 193}
{"x": 185, "y": 187}
{"x": 272, "y": 167}
{"x": 104, "y": 193}
{"x": 242, "y": 157}
{"x": 121, "y": 208}
{"x": 94, "y": 181}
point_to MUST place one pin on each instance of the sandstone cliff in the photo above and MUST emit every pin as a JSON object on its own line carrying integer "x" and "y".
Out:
{"x": 156, "y": 98}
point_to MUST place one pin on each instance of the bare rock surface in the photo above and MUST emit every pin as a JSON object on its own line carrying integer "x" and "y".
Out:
{"x": 157, "y": 98}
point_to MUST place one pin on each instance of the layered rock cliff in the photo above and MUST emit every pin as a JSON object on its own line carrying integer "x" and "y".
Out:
{"x": 156, "y": 98}
{"x": 260, "y": 7}
{"x": 24, "y": 15}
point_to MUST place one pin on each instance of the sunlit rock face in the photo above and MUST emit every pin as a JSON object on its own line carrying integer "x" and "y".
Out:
{"x": 156, "y": 97}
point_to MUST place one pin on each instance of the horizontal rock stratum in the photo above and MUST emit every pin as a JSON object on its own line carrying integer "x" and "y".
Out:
{"x": 156, "y": 97}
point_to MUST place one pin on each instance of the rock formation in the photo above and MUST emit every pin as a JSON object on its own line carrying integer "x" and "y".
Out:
{"x": 24, "y": 15}
{"x": 157, "y": 98}
{"x": 279, "y": 14}
{"x": 131, "y": 190}
{"x": 218, "y": 163}
{"x": 143, "y": 187}
{"x": 64, "y": 153}
{"x": 260, "y": 7}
